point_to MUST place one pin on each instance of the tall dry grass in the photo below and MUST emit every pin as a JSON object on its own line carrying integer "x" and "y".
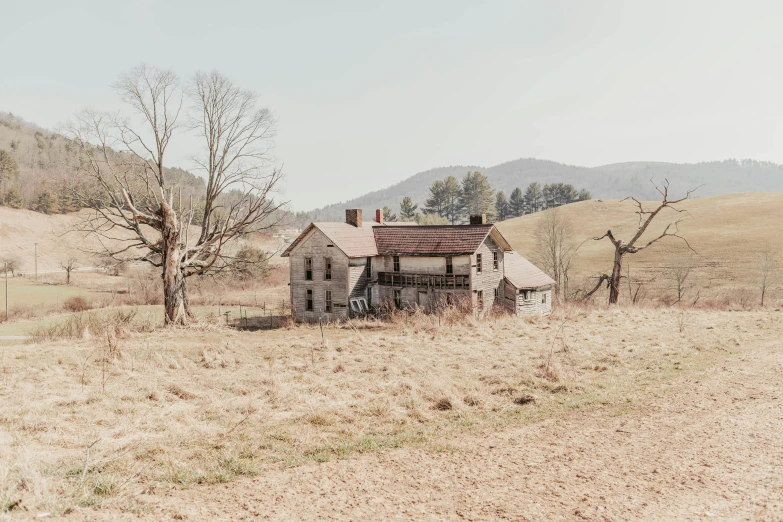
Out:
{"x": 172, "y": 408}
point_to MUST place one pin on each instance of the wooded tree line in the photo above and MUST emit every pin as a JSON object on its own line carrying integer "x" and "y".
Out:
{"x": 454, "y": 201}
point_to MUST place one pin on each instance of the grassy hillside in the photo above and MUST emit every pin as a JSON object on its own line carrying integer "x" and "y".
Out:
{"x": 727, "y": 232}
{"x": 609, "y": 181}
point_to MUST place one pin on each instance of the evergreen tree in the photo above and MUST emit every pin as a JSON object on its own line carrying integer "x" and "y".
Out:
{"x": 13, "y": 197}
{"x": 584, "y": 195}
{"x": 387, "y": 214}
{"x": 516, "y": 204}
{"x": 548, "y": 196}
{"x": 534, "y": 197}
{"x": 46, "y": 203}
{"x": 477, "y": 195}
{"x": 436, "y": 203}
{"x": 408, "y": 209}
{"x": 9, "y": 171}
{"x": 501, "y": 206}
{"x": 452, "y": 196}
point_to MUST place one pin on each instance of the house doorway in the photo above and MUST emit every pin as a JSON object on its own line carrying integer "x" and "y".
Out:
{"x": 423, "y": 299}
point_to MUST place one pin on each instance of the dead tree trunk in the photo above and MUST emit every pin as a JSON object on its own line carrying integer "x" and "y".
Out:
{"x": 621, "y": 248}
{"x": 614, "y": 283}
{"x": 174, "y": 302}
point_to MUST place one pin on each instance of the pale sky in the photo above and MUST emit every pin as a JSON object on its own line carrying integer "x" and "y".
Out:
{"x": 369, "y": 93}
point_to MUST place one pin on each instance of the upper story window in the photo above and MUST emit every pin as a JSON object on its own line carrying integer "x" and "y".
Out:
{"x": 478, "y": 263}
{"x": 449, "y": 265}
{"x": 396, "y": 263}
{"x": 369, "y": 266}
{"x": 494, "y": 260}
{"x": 327, "y": 269}
{"x": 308, "y": 269}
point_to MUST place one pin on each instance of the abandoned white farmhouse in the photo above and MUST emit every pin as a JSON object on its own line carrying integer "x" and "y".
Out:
{"x": 340, "y": 270}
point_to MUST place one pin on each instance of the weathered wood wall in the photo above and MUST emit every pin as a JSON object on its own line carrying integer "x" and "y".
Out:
{"x": 316, "y": 246}
{"x": 489, "y": 279}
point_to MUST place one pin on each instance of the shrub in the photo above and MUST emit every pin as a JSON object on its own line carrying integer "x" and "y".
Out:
{"x": 76, "y": 304}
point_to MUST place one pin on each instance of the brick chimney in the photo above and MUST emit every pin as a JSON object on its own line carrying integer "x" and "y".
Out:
{"x": 479, "y": 219}
{"x": 379, "y": 216}
{"x": 353, "y": 216}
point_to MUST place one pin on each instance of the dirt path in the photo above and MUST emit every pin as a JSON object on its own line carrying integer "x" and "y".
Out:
{"x": 708, "y": 447}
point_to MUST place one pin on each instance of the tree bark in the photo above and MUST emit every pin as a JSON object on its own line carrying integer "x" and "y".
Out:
{"x": 175, "y": 301}
{"x": 614, "y": 283}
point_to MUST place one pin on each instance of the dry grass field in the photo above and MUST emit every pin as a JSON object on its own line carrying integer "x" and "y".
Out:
{"x": 726, "y": 232}
{"x": 169, "y": 416}
{"x": 646, "y": 412}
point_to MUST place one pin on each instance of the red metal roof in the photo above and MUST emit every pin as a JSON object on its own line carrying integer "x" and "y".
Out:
{"x": 430, "y": 240}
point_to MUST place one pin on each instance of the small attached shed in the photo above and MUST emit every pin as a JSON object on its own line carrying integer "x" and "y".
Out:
{"x": 526, "y": 289}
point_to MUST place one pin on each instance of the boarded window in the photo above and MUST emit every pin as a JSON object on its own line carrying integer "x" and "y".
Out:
{"x": 480, "y": 298}
{"x": 494, "y": 260}
{"x": 449, "y": 265}
{"x": 398, "y": 298}
{"x": 478, "y": 263}
{"x": 396, "y": 263}
{"x": 328, "y": 302}
{"x": 309, "y": 305}
{"x": 308, "y": 269}
{"x": 327, "y": 269}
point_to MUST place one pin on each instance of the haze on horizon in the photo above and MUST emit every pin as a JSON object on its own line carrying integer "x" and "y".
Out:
{"x": 367, "y": 95}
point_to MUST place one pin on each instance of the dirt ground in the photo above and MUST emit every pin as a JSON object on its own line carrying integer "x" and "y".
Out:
{"x": 704, "y": 444}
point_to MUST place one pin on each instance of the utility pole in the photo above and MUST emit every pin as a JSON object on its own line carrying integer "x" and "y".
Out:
{"x": 36, "y": 262}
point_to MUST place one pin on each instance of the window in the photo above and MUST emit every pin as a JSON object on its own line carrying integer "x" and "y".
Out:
{"x": 449, "y": 266}
{"x": 497, "y": 294}
{"x": 308, "y": 269}
{"x": 328, "y": 302}
{"x": 359, "y": 306}
{"x": 478, "y": 263}
{"x": 525, "y": 294}
{"x": 309, "y": 306}
{"x": 543, "y": 298}
{"x": 480, "y": 298}
{"x": 494, "y": 260}
{"x": 369, "y": 266}
{"x": 327, "y": 269}
{"x": 398, "y": 298}
{"x": 396, "y": 263}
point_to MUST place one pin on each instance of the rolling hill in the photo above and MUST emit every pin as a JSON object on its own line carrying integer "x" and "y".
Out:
{"x": 727, "y": 233}
{"x": 606, "y": 182}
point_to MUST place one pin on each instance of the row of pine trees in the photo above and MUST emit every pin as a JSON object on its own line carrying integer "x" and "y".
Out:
{"x": 454, "y": 201}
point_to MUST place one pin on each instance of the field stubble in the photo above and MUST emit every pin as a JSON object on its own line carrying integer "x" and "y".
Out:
{"x": 175, "y": 408}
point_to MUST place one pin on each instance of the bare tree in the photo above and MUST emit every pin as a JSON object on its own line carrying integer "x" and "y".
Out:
{"x": 622, "y": 248}
{"x": 766, "y": 270}
{"x": 11, "y": 263}
{"x": 68, "y": 265}
{"x": 555, "y": 248}
{"x": 139, "y": 217}
{"x": 678, "y": 273}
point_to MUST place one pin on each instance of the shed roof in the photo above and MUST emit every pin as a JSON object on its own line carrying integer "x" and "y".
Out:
{"x": 522, "y": 273}
{"x": 434, "y": 240}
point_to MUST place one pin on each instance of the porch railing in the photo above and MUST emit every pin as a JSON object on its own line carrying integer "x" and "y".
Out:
{"x": 445, "y": 282}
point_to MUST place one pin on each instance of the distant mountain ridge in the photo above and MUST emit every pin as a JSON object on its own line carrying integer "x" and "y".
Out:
{"x": 612, "y": 181}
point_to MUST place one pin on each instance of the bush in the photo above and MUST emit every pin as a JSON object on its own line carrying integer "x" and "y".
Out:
{"x": 76, "y": 304}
